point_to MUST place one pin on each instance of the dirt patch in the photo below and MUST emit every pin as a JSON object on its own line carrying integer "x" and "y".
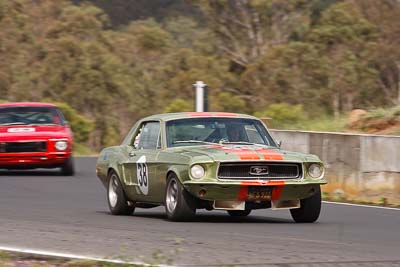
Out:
{"x": 381, "y": 121}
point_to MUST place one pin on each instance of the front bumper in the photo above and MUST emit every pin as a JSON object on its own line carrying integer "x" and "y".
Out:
{"x": 253, "y": 190}
{"x": 33, "y": 159}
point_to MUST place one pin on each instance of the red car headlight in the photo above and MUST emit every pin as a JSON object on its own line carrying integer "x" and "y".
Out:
{"x": 61, "y": 145}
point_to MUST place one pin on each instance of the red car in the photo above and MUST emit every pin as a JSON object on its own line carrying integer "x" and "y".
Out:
{"x": 34, "y": 135}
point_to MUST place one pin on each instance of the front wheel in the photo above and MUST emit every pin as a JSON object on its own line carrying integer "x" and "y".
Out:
{"x": 67, "y": 168}
{"x": 309, "y": 210}
{"x": 117, "y": 201}
{"x": 179, "y": 204}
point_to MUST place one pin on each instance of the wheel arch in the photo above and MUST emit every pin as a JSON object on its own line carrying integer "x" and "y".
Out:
{"x": 113, "y": 169}
{"x": 181, "y": 172}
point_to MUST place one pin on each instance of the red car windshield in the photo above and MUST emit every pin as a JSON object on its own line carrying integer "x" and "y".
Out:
{"x": 31, "y": 115}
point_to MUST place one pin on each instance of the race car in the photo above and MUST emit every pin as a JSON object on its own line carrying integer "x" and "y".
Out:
{"x": 34, "y": 135}
{"x": 208, "y": 160}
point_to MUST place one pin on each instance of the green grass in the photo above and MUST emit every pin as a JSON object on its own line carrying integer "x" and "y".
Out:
{"x": 323, "y": 124}
{"x": 28, "y": 260}
{"x": 382, "y": 113}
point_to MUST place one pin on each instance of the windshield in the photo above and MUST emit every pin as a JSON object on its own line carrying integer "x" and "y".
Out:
{"x": 198, "y": 131}
{"x": 30, "y": 115}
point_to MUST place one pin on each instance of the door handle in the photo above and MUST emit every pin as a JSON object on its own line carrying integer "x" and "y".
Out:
{"x": 131, "y": 154}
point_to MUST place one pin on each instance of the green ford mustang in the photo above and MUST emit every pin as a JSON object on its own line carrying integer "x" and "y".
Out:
{"x": 195, "y": 160}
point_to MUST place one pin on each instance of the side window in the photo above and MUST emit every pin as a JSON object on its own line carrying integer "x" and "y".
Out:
{"x": 148, "y": 136}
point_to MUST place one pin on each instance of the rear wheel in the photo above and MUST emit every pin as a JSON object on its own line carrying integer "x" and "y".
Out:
{"x": 239, "y": 213}
{"x": 179, "y": 204}
{"x": 117, "y": 201}
{"x": 67, "y": 168}
{"x": 309, "y": 210}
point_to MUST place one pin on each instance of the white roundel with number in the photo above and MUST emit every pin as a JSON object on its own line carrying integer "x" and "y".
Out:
{"x": 142, "y": 175}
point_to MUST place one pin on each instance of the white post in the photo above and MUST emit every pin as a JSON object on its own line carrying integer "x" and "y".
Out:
{"x": 199, "y": 86}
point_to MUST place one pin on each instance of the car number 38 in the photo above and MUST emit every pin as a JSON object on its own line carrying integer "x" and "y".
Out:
{"x": 224, "y": 161}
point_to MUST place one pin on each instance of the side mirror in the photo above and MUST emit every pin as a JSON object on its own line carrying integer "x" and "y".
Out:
{"x": 279, "y": 144}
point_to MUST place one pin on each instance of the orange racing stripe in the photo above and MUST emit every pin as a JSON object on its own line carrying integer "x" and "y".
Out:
{"x": 209, "y": 114}
{"x": 277, "y": 192}
{"x": 270, "y": 155}
{"x": 243, "y": 192}
{"x": 243, "y": 153}
{"x": 199, "y": 114}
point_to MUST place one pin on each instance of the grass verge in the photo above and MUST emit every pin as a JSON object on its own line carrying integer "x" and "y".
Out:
{"x": 322, "y": 124}
{"x": 14, "y": 259}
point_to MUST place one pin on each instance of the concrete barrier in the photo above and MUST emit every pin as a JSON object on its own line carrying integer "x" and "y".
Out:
{"x": 358, "y": 166}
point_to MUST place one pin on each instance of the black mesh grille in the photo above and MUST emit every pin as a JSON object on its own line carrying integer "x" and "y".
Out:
{"x": 257, "y": 170}
{"x": 16, "y": 147}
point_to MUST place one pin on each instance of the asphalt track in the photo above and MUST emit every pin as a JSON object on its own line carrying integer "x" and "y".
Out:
{"x": 45, "y": 211}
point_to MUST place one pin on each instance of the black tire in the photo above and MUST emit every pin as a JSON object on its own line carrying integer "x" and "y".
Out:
{"x": 117, "y": 201}
{"x": 239, "y": 213}
{"x": 179, "y": 204}
{"x": 309, "y": 210}
{"x": 67, "y": 168}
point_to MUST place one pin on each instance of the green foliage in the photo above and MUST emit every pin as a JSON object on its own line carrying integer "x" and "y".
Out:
{"x": 396, "y": 111}
{"x": 117, "y": 62}
{"x": 383, "y": 201}
{"x": 303, "y": 121}
{"x": 293, "y": 73}
{"x": 324, "y": 123}
{"x": 83, "y": 150}
{"x": 231, "y": 103}
{"x": 283, "y": 114}
{"x": 342, "y": 23}
{"x": 379, "y": 113}
{"x": 149, "y": 35}
{"x": 381, "y": 121}
{"x": 109, "y": 134}
{"x": 178, "y": 105}
{"x": 81, "y": 126}
{"x": 383, "y": 113}
{"x": 325, "y": 195}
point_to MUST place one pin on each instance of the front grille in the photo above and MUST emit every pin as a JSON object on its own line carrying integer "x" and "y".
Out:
{"x": 259, "y": 171}
{"x": 17, "y": 147}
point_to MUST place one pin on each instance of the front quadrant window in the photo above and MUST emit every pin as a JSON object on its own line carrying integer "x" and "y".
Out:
{"x": 199, "y": 131}
{"x": 148, "y": 136}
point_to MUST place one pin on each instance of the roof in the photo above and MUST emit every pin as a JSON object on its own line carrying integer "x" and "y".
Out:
{"x": 188, "y": 115}
{"x": 27, "y": 104}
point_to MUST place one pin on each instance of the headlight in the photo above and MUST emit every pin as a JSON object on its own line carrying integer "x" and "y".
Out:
{"x": 197, "y": 172}
{"x": 61, "y": 145}
{"x": 316, "y": 171}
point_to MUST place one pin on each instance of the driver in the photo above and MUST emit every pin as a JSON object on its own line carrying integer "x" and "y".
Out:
{"x": 235, "y": 132}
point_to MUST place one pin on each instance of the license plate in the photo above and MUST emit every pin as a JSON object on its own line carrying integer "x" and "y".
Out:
{"x": 259, "y": 193}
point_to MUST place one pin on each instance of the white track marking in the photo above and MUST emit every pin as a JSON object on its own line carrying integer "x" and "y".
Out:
{"x": 75, "y": 256}
{"x": 360, "y": 205}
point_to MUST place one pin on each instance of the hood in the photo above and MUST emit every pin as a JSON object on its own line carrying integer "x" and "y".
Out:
{"x": 239, "y": 152}
{"x": 33, "y": 132}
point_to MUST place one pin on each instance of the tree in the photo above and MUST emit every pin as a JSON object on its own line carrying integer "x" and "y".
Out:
{"x": 343, "y": 36}
{"x": 293, "y": 73}
{"x": 247, "y": 28}
{"x": 385, "y": 55}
